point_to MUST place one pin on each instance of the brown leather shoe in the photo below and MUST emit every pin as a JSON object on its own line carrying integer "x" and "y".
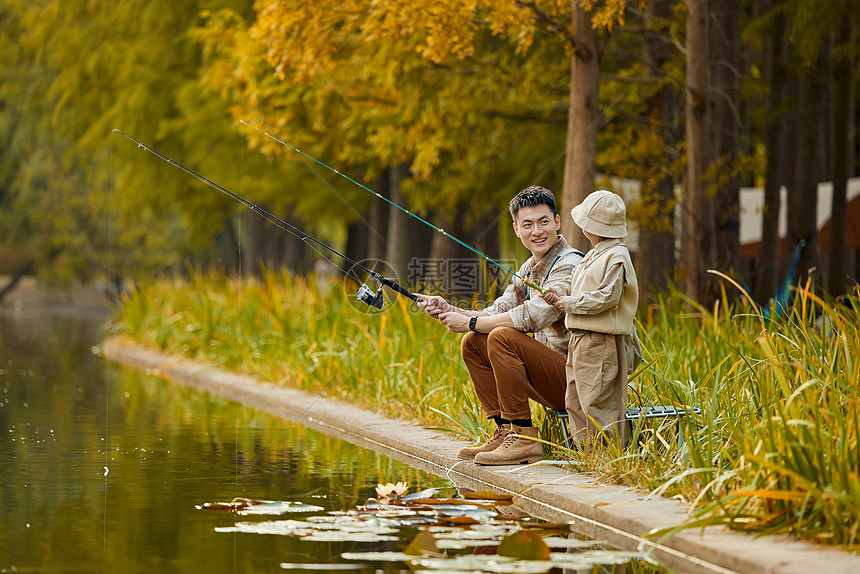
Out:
{"x": 517, "y": 448}
{"x": 469, "y": 452}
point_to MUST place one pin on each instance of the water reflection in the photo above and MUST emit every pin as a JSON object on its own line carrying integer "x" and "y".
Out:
{"x": 103, "y": 467}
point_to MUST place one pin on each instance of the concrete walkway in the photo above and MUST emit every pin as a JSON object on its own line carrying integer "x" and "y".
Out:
{"x": 618, "y": 515}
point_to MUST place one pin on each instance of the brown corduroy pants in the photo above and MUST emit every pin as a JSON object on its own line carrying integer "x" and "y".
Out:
{"x": 597, "y": 386}
{"x": 508, "y": 368}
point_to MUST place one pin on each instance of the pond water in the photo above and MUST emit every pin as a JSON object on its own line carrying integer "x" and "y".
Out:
{"x": 103, "y": 467}
{"x": 104, "y": 470}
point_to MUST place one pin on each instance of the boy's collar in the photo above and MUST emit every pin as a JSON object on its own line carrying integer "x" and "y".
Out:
{"x": 606, "y": 244}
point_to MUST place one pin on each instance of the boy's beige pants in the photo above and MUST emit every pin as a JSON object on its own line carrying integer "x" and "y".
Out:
{"x": 596, "y": 397}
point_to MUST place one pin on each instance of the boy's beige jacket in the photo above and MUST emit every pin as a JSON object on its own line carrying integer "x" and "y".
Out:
{"x": 603, "y": 292}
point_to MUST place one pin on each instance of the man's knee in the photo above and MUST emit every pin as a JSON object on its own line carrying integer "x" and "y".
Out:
{"x": 502, "y": 336}
{"x": 468, "y": 344}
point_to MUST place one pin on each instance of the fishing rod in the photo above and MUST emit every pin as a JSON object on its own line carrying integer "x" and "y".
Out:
{"x": 528, "y": 282}
{"x": 364, "y": 294}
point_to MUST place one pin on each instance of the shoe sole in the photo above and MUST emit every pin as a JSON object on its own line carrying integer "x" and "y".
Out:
{"x": 526, "y": 460}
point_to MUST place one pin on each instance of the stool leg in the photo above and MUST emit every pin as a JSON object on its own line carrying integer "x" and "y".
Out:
{"x": 634, "y": 435}
{"x": 565, "y": 433}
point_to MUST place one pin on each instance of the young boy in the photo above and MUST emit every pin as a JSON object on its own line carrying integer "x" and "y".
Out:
{"x": 599, "y": 307}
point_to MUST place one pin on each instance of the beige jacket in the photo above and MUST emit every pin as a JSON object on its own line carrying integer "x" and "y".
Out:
{"x": 603, "y": 292}
{"x": 530, "y": 313}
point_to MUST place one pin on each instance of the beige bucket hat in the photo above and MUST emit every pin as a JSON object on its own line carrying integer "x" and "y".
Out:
{"x": 602, "y": 213}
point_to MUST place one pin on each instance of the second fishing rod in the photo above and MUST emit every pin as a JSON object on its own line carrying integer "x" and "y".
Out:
{"x": 364, "y": 294}
{"x": 525, "y": 280}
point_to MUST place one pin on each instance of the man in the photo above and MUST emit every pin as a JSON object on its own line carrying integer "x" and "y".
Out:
{"x": 506, "y": 365}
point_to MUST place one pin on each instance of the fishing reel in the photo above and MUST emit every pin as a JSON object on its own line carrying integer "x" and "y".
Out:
{"x": 366, "y": 295}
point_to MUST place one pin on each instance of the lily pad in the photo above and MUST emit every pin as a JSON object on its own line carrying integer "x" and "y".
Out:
{"x": 346, "y": 536}
{"x": 326, "y": 567}
{"x": 462, "y": 544}
{"x": 379, "y": 556}
{"x": 591, "y": 558}
{"x": 248, "y": 506}
{"x": 277, "y": 508}
{"x": 571, "y": 543}
{"x": 285, "y": 527}
{"x": 422, "y": 545}
{"x": 486, "y": 563}
{"x": 479, "y": 531}
{"x": 525, "y": 545}
{"x": 487, "y": 495}
{"x": 429, "y": 493}
{"x": 459, "y": 520}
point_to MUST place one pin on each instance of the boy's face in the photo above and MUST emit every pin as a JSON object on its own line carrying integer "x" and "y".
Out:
{"x": 592, "y": 238}
{"x": 537, "y": 227}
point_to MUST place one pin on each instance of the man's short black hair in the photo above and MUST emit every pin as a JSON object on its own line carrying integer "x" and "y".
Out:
{"x": 530, "y": 196}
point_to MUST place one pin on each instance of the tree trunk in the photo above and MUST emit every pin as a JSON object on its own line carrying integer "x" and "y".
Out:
{"x": 293, "y": 252}
{"x": 768, "y": 263}
{"x": 232, "y": 255}
{"x": 25, "y": 270}
{"x": 378, "y": 219}
{"x": 487, "y": 241}
{"x": 837, "y": 280}
{"x": 581, "y": 128}
{"x": 452, "y": 268}
{"x": 357, "y": 237}
{"x": 252, "y": 241}
{"x": 656, "y": 256}
{"x": 724, "y": 48}
{"x": 802, "y": 196}
{"x": 696, "y": 238}
{"x": 401, "y": 228}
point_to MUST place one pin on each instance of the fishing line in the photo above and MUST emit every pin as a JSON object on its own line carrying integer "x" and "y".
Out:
{"x": 293, "y": 423}
{"x": 305, "y": 237}
{"x": 302, "y": 155}
{"x": 594, "y": 122}
{"x": 108, "y": 373}
{"x": 558, "y": 158}
{"x": 364, "y": 294}
{"x": 313, "y": 170}
{"x": 398, "y": 206}
{"x": 238, "y": 409}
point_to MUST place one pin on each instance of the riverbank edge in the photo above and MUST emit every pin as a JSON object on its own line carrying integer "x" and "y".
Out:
{"x": 617, "y": 514}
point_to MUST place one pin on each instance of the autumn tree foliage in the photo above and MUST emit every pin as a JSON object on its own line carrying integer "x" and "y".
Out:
{"x": 446, "y": 108}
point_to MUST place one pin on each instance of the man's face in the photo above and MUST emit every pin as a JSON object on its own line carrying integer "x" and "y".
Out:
{"x": 537, "y": 227}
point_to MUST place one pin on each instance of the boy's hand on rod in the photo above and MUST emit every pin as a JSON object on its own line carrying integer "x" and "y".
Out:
{"x": 553, "y": 298}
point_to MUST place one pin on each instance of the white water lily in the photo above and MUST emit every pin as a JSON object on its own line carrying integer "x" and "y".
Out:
{"x": 387, "y": 492}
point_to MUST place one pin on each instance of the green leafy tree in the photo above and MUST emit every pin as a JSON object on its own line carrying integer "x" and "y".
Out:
{"x": 79, "y": 199}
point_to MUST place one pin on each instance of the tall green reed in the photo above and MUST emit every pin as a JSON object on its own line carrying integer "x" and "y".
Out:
{"x": 775, "y": 448}
{"x": 301, "y": 333}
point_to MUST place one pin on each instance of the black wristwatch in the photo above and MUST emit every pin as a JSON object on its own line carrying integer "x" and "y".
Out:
{"x": 472, "y": 322}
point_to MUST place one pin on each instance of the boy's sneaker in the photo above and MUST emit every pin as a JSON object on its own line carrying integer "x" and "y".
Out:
{"x": 517, "y": 448}
{"x": 469, "y": 452}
